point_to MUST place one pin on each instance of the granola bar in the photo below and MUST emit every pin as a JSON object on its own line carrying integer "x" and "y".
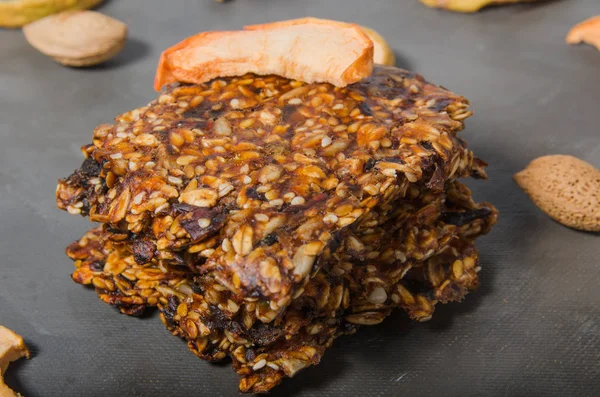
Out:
{"x": 265, "y": 367}
{"x": 284, "y": 356}
{"x": 437, "y": 263}
{"x": 358, "y": 246}
{"x": 265, "y": 217}
{"x": 266, "y": 159}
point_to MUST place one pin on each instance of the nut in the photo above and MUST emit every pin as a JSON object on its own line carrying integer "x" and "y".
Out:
{"x": 587, "y": 31}
{"x": 12, "y": 348}
{"x": 307, "y": 49}
{"x": 77, "y": 38}
{"x": 566, "y": 188}
{"x": 16, "y": 13}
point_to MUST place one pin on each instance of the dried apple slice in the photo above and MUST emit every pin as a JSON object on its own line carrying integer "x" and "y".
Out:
{"x": 587, "y": 31}
{"x": 307, "y": 49}
{"x": 12, "y": 348}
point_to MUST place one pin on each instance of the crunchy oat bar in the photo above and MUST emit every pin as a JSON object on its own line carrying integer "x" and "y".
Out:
{"x": 284, "y": 356}
{"x": 360, "y": 245}
{"x": 359, "y": 284}
{"x": 263, "y": 216}
{"x": 264, "y": 159}
{"x": 265, "y": 367}
{"x": 379, "y": 256}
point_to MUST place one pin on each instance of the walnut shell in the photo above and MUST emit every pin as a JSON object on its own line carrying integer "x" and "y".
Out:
{"x": 77, "y": 38}
{"x": 566, "y": 188}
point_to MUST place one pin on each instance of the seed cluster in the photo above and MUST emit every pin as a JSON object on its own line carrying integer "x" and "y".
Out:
{"x": 265, "y": 217}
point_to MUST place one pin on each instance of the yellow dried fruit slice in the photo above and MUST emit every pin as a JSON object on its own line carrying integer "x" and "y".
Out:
{"x": 308, "y": 49}
{"x": 382, "y": 53}
{"x": 16, "y": 13}
{"x": 587, "y": 31}
{"x": 467, "y": 5}
{"x": 12, "y": 348}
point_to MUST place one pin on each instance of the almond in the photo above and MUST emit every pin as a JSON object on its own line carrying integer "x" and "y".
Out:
{"x": 587, "y": 31}
{"x": 12, "y": 348}
{"x": 382, "y": 53}
{"x": 16, "y": 13}
{"x": 77, "y": 38}
{"x": 467, "y": 5}
{"x": 566, "y": 188}
{"x": 308, "y": 49}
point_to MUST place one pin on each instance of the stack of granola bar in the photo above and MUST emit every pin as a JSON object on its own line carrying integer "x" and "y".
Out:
{"x": 265, "y": 217}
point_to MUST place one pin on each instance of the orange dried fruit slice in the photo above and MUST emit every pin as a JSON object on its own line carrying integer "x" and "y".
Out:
{"x": 307, "y": 49}
{"x": 587, "y": 31}
{"x": 12, "y": 348}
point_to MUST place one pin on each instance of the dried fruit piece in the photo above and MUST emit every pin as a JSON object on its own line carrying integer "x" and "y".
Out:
{"x": 467, "y": 5}
{"x": 307, "y": 49}
{"x": 566, "y": 188}
{"x": 77, "y": 38}
{"x": 12, "y": 348}
{"x": 587, "y": 31}
{"x": 16, "y": 13}
{"x": 382, "y": 53}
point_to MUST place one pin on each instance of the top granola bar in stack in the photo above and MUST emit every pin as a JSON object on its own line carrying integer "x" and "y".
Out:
{"x": 275, "y": 167}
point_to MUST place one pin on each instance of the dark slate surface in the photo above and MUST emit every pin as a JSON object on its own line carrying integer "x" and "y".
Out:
{"x": 533, "y": 327}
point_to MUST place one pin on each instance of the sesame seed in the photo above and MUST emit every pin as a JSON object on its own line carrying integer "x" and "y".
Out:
{"x": 298, "y": 200}
{"x": 261, "y": 217}
{"x": 138, "y": 198}
{"x": 276, "y": 202}
{"x": 174, "y": 180}
{"x": 330, "y": 218}
{"x": 259, "y": 365}
{"x": 204, "y": 222}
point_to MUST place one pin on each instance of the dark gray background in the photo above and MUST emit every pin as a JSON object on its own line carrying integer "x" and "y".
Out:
{"x": 532, "y": 329}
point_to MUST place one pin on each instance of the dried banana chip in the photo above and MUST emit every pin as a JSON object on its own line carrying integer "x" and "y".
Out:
{"x": 16, "y": 13}
{"x": 467, "y": 5}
